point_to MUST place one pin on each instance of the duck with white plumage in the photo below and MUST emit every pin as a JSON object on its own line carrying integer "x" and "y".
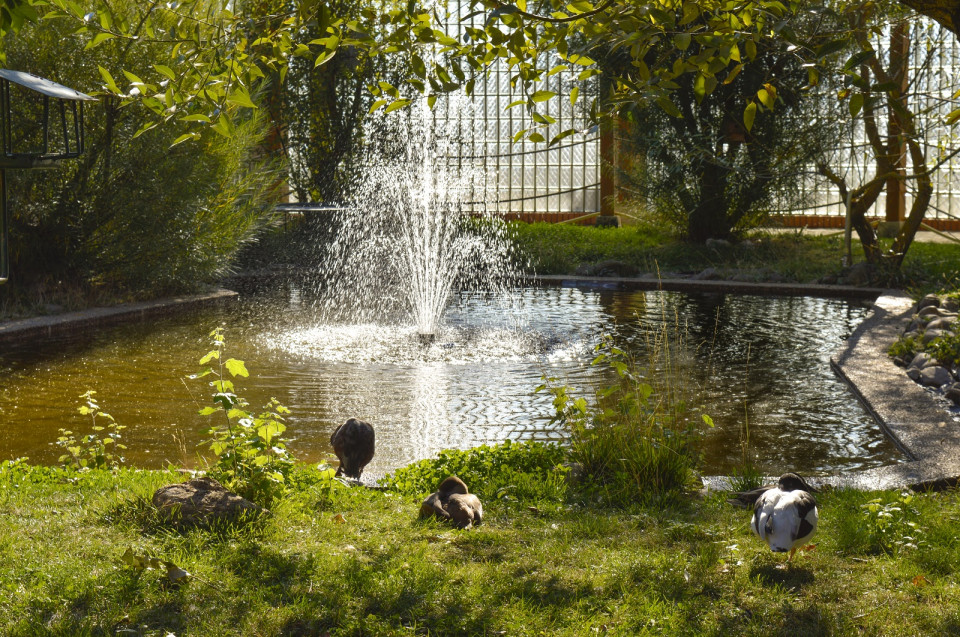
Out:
{"x": 785, "y": 516}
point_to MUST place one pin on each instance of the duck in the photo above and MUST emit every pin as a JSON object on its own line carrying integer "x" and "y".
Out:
{"x": 785, "y": 516}
{"x": 354, "y": 442}
{"x": 453, "y": 502}
{"x": 748, "y": 499}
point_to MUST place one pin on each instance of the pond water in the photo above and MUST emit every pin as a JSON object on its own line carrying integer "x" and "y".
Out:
{"x": 762, "y": 359}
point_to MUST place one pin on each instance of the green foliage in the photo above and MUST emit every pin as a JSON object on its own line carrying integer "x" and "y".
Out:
{"x": 638, "y": 442}
{"x": 132, "y": 214}
{"x": 250, "y": 449}
{"x": 525, "y": 472}
{"x": 946, "y": 348}
{"x": 905, "y": 347}
{"x": 99, "y": 449}
{"x": 709, "y": 175}
{"x": 891, "y": 526}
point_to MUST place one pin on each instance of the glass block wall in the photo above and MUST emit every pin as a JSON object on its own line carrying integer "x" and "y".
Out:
{"x": 523, "y": 178}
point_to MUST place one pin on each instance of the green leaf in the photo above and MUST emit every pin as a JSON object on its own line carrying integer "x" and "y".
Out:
{"x": 543, "y": 96}
{"x": 184, "y": 138}
{"x": 212, "y": 354}
{"x": 397, "y": 104}
{"x": 108, "y": 79}
{"x": 236, "y": 367}
{"x": 668, "y": 107}
{"x": 165, "y": 71}
{"x": 707, "y": 419}
{"x": 953, "y": 116}
{"x": 855, "y": 104}
{"x": 574, "y": 94}
{"x": 241, "y": 97}
{"x": 682, "y": 41}
{"x": 206, "y": 411}
{"x": 749, "y": 113}
{"x": 98, "y": 39}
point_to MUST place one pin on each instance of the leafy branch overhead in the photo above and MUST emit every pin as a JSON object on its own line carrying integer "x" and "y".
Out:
{"x": 219, "y": 55}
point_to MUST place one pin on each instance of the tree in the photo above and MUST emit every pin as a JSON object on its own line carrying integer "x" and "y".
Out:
{"x": 717, "y": 175}
{"x": 132, "y": 214}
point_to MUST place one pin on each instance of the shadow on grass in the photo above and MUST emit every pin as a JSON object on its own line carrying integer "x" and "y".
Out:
{"x": 791, "y": 576}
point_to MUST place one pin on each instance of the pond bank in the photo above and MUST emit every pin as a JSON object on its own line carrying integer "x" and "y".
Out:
{"x": 71, "y": 322}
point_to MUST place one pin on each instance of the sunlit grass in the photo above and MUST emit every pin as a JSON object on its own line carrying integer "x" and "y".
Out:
{"x": 534, "y": 567}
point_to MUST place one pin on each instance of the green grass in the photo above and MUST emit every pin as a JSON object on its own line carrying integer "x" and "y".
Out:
{"x": 797, "y": 257}
{"x": 534, "y": 567}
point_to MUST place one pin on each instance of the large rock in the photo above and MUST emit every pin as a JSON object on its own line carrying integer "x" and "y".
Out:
{"x": 935, "y": 376}
{"x": 930, "y": 300}
{"x": 921, "y": 360}
{"x": 953, "y": 393}
{"x": 942, "y": 323}
{"x": 200, "y": 502}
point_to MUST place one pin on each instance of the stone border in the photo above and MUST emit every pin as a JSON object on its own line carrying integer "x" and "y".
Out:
{"x": 70, "y": 322}
{"x": 651, "y": 282}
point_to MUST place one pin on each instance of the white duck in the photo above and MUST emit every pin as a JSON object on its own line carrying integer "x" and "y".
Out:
{"x": 785, "y": 516}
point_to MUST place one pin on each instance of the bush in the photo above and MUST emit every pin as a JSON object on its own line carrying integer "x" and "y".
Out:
{"x": 133, "y": 214}
{"x": 526, "y": 471}
{"x": 250, "y": 449}
{"x": 638, "y": 442}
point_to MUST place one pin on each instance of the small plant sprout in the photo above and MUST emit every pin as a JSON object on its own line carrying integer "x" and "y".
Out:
{"x": 100, "y": 449}
{"x": 250, "y": 450}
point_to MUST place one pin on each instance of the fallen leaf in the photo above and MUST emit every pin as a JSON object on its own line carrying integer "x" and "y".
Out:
{"x": 920, "y": 581}
{"x": 339, "y": 519}
{"x": 809, "y": 547}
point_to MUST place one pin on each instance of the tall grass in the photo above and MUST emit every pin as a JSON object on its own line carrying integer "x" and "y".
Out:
{"x": 638, "y": 442}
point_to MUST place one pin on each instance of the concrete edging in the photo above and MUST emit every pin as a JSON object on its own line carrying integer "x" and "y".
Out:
{"x": 68, "y": 322}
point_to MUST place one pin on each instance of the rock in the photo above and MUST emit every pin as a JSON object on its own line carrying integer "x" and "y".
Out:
{"x": 920, "y": 360}
{"x": 354, "y": 442}
{"x": 930, "y": 300}
{"x": 860, "y": 274}
{"x": 951, "y": 304}
{"x": 452, "y": 501}
{"x": 930, "y": 335}
{"x": 914, "y": 326}
{"x": 935, "y": 376}
{"x": 913, "y": 374}
{"x": 201, "y": 501}
{"x": 942, "y": 323}
{"x": 612, "y": 267}
{"x": 953, "y": 393}
{"x": 929, "y": 310}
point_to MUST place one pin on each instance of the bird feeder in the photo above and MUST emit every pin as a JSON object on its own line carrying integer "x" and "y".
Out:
{"x": 41, "y": 123}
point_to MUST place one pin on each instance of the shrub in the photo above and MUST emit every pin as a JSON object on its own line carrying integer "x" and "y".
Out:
{"x": 101, "y": 448}
{"x": 526, "y": 471}
{"x": 638, "y": 442}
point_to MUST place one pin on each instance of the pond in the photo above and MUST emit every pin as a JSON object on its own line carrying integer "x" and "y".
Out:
{"x": 756, "y": 359}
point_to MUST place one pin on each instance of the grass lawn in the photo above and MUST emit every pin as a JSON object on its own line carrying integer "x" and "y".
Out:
{"x": 340, "y": 561}
{"x": 798, "y": 257}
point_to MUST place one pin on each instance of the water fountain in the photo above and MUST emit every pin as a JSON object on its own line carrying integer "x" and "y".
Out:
{"x": 412, "y": 231}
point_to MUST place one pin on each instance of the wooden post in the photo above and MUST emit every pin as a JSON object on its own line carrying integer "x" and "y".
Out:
{"x": 896, "y": 187}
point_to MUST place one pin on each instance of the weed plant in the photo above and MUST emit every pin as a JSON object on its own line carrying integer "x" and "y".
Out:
{"x": 638, "y": 442}
{"x": 99, "y": 449}
{"x": 250, "y": 450}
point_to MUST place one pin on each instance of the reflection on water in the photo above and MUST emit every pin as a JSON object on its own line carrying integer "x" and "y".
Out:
{"x": 760, "y": 360}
